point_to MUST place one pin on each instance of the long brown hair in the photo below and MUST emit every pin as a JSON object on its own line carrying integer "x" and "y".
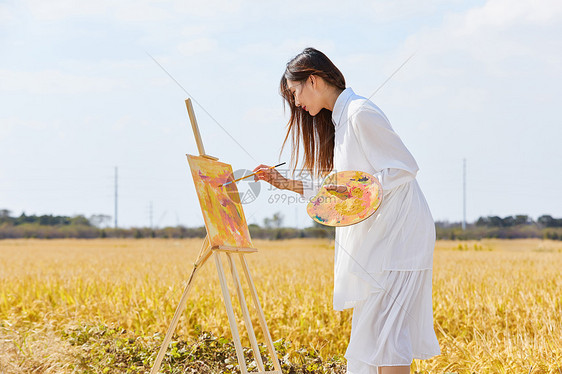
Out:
{"x": 316, "y": 133}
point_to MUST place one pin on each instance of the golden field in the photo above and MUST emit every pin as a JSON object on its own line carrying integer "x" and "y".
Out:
{"x": 497, "y": 304}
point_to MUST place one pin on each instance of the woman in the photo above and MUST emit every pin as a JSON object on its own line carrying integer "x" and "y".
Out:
{"x": 383, "y": 265}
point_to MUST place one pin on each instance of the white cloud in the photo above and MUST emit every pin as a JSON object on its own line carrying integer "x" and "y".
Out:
{"x": 55, "y": 82}
{"x": 500, "y": 36}
{"x": 130, "y": 11}
{"x": 258, "y": 115}
{"x": 6, "y": 125}
{"x": 198, "y": 46}
{"x": 208, "y": 8}
{"x": 507, "y": 13}
{"x": 129, "y": 122}
{"x": 282, "y": 52}
{"x": 11, "y": 126}
{"x": 61, "y": 9}
{"x": 387, "y": 11}
{"x": 134, "y": 11}
{"x": 6, "y": 14}
{"x": 191, "y": 31}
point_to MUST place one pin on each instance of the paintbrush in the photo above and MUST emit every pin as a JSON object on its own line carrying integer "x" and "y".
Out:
{"x": 247, "y": 176}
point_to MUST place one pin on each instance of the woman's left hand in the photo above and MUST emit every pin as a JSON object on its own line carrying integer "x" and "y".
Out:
{"x": 337, "y": 188}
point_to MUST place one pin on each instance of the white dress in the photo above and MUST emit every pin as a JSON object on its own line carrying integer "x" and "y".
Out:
{"x": 383, "y": 265}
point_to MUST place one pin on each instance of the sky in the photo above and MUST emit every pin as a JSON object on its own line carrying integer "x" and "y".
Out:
{"x": 90, "y": 86}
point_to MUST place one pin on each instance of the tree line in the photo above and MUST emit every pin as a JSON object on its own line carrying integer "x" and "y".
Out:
{"x": 509, "y": 221}
{"x": 53, "y": 227}
{"x": 509, "y": 227}
{"x": 59, "y": 227}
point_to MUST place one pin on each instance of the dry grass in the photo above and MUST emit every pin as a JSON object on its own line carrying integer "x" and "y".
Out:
{"x": 497, "y": 304}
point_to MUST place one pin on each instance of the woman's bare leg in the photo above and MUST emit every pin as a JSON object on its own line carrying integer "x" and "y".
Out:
{"x": 394, "y": 370}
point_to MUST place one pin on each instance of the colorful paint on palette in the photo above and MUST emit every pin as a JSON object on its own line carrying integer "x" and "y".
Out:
{"x": 361, "y": 199}
{"x": 222, "y": 210}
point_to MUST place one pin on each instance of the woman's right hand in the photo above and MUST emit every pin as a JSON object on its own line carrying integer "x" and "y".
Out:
{"x": 270, "y": 175}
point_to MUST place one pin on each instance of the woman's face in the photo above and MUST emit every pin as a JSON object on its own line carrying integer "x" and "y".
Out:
{"x": 305, "y": 95}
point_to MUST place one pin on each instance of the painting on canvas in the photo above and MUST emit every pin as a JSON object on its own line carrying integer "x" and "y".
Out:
{"x": 222, "y": 210}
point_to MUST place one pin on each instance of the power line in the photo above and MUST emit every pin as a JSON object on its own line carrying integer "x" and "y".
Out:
{"x": 116, "y": 197}
{"x": 464, "y": 194}
{"x": 150, "y": 214}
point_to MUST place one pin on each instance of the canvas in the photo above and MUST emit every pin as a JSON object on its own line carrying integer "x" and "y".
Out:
{"x": 222, "y": 210}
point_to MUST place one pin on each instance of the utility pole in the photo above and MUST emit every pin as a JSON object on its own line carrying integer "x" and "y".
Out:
{"x": 464, "y": 194}
{"x": 150, "y": 214}
{"x": 116, "y": 197}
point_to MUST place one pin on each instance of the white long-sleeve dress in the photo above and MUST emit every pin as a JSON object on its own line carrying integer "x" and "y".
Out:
{"x": 383, "y": 265}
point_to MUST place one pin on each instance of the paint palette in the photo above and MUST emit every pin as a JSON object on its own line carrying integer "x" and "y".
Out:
{"x": 361, "y": 199}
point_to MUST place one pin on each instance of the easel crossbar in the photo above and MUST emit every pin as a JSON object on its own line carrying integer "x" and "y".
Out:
{"x": 224, "y": 248}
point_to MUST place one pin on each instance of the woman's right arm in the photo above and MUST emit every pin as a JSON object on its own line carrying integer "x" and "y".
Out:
{"x": 273, "y": 177}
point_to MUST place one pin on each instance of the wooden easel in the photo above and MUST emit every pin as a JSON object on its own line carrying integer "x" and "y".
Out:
{"x": 204, "y": 254}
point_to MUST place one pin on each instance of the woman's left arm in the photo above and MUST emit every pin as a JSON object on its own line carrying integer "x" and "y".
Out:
{"x": 383, "y": 148}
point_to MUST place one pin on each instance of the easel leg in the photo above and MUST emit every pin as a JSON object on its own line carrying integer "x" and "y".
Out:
{"x": 204, "y": 254}
{"x": 245, "y": 312}
{"x": 231, "y": 317}
{"x": 261, "y": 317}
